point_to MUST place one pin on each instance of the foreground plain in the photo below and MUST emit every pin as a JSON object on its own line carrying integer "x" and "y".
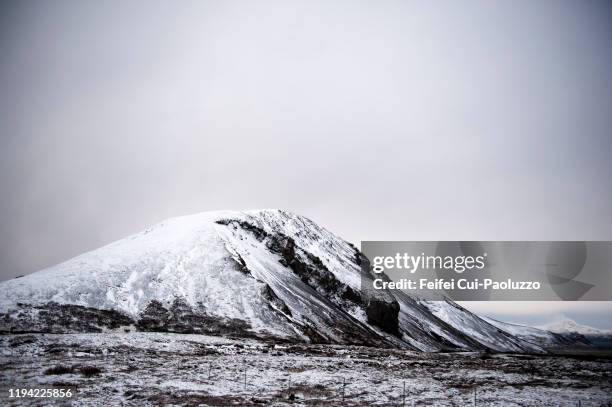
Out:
{"x": 140, "y": 369}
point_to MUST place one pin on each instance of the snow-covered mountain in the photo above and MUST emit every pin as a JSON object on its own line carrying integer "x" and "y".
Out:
{"x": 567, "y": 325}
{"x": 572, "y": 331}
{"x": 266, "y": 274}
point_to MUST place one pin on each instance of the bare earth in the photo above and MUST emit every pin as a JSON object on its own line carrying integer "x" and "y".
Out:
{"x": 142, "y": 369}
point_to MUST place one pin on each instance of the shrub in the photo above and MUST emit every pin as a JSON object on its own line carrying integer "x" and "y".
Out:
{"x": 59, "y": 369}
{"x": 89, "y": 371}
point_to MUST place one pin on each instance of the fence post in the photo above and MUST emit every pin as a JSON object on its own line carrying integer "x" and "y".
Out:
{"x": 474, "y": 396}
{"x": 343, "y": 386}
{"x": 245, "y": 373}
{"x": 404, "y": 395}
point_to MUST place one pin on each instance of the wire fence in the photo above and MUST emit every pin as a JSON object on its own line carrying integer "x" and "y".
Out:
{"x": 340, "y": 390}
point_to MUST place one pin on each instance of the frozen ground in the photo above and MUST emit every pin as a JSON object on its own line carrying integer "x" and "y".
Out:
{"x": 139, "y": 369}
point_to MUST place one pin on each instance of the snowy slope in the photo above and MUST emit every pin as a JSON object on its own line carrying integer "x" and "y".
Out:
{"x": 479, "y": 329}
{"x": 265, "y": 273}
{"x": 179, "y": 258}
{"x": 541, "y": 337}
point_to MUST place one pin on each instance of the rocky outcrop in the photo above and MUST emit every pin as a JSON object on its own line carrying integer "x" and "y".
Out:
{"x": 181, "y": 318}
{"x": 384, "y": 314}
{"x": 61, "y": 318}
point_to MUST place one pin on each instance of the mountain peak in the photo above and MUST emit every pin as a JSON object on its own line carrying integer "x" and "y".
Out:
{"x": 568, "y": 325}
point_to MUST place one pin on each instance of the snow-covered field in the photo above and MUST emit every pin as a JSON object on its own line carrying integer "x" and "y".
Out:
{"x": 142, "y": 369}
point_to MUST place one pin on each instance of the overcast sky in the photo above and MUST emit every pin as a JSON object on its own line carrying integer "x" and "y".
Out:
{"x": 405, "y": 120}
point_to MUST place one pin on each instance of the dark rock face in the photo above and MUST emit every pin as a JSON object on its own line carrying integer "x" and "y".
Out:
{"x": 279, "y": 304}
{"x": 384, "y": 315}
{"x": 259, "y": 233}
{"x": 66, "y": 318}
{"x": 241, "y": 265}
{"x": 308, "y": 267}
{"x": 181, "y": 318}
{"x": 154, "y": 317}
{"x": 61, "y": 318}
{"x": 359, "y": 257}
